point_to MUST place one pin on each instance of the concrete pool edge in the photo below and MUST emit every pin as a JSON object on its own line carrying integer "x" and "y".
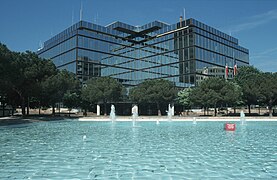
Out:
{"x": 176, "y": 119}
{"x": 16, "y": 120}
{"x": 6, "y": 121}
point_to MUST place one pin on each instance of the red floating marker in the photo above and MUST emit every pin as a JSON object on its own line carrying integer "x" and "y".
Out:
{"x": 230, "y": 127}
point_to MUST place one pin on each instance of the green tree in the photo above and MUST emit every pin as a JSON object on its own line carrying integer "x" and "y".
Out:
{"x": 232, "y": 94}
{"x": 71, "y": 100}
{"x": 215, "y": 92}
{"x": 184, "y": 98}
{"x": 5, "y": 68}
{"x": 6, "y": 58}
{"x": 56, "y": 86}
{"x": 212, "y": 92}
{"x": 196, "y": 98}
{"x": 35, "y": 74}
{"x": 249, "y": 79}
{"x": 102, "y": 90}
{"x": 87, "y": 97}
{"x": 268, "y": 90}
{"x": 22, "y": 74}
{"x": 154, "y": 91}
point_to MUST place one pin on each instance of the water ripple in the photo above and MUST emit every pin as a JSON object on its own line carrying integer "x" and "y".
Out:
{"x": 175, "y": 150}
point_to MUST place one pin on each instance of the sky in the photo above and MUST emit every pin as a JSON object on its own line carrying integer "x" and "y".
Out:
{"x": 24, "y": 24}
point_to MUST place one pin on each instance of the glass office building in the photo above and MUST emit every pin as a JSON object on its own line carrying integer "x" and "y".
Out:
{"x": 184, "y": 53}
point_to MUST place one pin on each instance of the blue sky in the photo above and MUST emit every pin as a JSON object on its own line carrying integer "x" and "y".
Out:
{"x": 24, "y": 23}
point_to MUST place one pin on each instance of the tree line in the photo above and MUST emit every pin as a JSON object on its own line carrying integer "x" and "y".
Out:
{"x": 32, "y": 82}
{"x": 29, "y": 81}
{"x": 249, "y": 87}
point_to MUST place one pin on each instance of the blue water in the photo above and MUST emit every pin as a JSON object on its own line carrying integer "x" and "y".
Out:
{"x": 170, "y": 150}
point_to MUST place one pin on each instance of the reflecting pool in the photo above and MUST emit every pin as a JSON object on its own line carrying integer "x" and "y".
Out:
{"x": 169, "y": 150}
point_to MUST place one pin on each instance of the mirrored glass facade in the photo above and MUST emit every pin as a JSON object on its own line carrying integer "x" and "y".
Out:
{"x": 185, "y": 53}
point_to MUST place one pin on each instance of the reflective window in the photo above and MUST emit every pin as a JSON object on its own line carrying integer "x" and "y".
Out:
{"x": 93, "y": 50}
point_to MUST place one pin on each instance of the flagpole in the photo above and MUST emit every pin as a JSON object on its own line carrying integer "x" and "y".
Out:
{"x": 235, "y": 69}
{"x": 185, "y": 16}
{"x": 81, "y": 11}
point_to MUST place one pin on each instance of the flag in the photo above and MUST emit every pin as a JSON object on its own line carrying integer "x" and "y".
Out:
{"x": 226, "y": 71}
{"x": 235, "y": 69}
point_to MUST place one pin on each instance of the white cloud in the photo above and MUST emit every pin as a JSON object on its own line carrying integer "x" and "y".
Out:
{"x": 265, "y": 60}
{"x": 269, "y": 51}
{"x": 265, "y": 53}
{"x": 254, "y": 21}
{"x": 266, "y": 65}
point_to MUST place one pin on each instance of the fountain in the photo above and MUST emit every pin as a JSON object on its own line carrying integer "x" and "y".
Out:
{"x": 112, "y": 113}
{"x": 242, "y": 118}
{"x": 194, "y": 120}
{"x": 134, "y": 114}
{"x": 84, "y": 138}
{"x": 157, "y": 122}
{"x": 169, "y": 113}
